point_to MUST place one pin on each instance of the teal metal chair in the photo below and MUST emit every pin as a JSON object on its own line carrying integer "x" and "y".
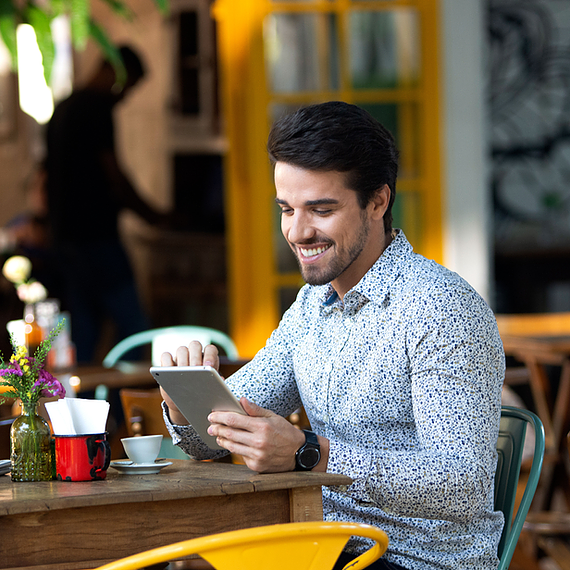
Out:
{"x": 177, "y": 336}
{"x": 510, "y": 451}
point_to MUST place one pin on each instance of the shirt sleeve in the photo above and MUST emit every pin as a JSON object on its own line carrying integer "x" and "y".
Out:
{"x": 268, "y": 380}
{"x": 188, "y": 439}
{"x": 456, "y": 364}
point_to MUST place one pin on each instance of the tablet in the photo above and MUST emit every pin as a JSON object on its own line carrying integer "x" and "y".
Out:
{"x": 197, "y": 391}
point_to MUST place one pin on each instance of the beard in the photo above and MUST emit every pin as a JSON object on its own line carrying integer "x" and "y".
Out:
{"x": 341, "y": 260}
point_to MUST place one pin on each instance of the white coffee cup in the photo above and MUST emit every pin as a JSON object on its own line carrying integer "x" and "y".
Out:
{"x": 143, "y": 448}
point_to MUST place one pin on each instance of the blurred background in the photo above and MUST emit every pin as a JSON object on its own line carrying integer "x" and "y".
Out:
{"x": 475, "y": 92}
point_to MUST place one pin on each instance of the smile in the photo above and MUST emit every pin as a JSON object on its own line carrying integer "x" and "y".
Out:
{"x": 313, "y": 251}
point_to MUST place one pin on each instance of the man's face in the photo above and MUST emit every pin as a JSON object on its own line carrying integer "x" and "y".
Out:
{"x": 325, "y": 227}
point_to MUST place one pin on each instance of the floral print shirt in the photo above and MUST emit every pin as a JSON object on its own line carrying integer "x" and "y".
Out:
{"x": 404, "y": 377}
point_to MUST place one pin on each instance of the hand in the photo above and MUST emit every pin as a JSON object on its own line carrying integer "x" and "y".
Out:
{"x": 267, "y": 442}
{"x": 192, "y": 355}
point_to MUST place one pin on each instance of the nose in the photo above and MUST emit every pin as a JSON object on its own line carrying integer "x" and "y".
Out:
{"x": 296, "y": 228}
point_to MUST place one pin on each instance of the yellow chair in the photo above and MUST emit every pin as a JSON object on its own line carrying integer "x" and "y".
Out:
{"x": 299, "y": 546}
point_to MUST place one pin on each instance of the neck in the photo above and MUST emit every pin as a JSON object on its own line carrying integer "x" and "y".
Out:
{"x": 360, "y": 267}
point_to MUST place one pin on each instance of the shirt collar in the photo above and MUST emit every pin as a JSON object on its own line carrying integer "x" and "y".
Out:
{"x": 375, "y": 285}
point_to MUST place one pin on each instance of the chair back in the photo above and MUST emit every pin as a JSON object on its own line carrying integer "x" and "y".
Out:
{"x": 168, "y": 339}
{"x": 143, "y": 412}
{"x": 303, "y": 546}
{"x": 143, "y": 416}
{"x": 510, "y": 451}
{"x": 5, "y": 427}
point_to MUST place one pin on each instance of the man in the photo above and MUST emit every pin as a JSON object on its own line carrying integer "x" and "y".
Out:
{"x": 87, "y": 190}
{"x": 396, "y": 360}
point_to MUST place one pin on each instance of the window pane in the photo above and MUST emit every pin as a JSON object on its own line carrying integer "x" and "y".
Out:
{"x": 301, "y": 52}
{"x": 402, "y": 120}
{"x": 407, "y": 215}
{"x": 384, "y": 48}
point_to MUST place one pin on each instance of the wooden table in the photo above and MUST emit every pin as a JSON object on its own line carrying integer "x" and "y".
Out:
{"x": 131, "y": 374}
{"x": 553, "y": 407}
{"x": 65, "y": 526}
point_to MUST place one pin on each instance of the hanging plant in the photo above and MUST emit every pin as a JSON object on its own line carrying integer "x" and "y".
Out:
{"x": 40, "y": 13}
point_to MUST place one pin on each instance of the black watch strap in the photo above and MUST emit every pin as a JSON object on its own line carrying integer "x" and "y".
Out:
{"x": 309, "y": 454}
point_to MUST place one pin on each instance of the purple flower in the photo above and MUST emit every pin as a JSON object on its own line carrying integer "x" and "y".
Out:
{"x": 8, "y": 371}
{"x": 49, "y": 385}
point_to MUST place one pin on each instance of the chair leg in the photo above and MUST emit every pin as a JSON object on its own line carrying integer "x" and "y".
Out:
{"x": 556, "y": 549}
{"x": 526, "y": 552}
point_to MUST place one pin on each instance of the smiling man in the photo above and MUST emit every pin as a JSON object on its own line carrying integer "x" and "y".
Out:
{"x": 396, "y": 360}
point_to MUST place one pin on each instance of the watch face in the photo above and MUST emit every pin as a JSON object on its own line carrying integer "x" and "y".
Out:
{"x": 309, "y": 457}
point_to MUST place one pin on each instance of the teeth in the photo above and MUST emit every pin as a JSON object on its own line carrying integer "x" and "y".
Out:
{"x": 314, "y": 251}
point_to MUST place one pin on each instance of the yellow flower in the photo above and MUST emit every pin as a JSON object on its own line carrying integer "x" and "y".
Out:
{"x": 21, "y": 352}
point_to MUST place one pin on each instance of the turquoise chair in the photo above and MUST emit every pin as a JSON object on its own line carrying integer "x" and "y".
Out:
{"x": 180, "y": 335}
{"x": 510, "y": 451}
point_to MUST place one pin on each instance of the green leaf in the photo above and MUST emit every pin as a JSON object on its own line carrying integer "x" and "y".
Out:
{"x": 41, "y": 21}
{"x": 80, "y": 14}
{"x": 110, "y": 51}
{"x": 59, "y": 7}
{"x": 8, "y": 29}
{"x": 121, "y": 9}
{"x": 163, "y": 6}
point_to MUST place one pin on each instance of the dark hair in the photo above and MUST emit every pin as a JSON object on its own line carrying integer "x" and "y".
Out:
{"x": 337, "y": 136}
{"x": 133, "y": 63}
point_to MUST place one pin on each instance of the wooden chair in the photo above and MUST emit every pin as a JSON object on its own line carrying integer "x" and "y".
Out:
{"x": 530, "y": 325}
{"x": 521, "y": 334}
{"x": 303, "y": 545}
{"x": 5, "y": 426}
{"x": 143, "y": 416}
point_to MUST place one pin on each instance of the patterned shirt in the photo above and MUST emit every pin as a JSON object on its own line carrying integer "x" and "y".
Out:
{"x": 404, "y": 377}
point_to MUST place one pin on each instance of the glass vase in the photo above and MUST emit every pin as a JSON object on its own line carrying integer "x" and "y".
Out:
{"x": 30, "y": 446}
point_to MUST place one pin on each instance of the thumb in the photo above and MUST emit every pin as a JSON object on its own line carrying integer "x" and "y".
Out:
{"x": 254, "y": 410}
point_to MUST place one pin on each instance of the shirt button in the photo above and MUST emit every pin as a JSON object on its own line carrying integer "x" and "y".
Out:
{"x": 328, "y": 367}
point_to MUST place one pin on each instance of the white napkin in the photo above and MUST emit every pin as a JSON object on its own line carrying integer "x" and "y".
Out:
{"x": 71, "y": 416}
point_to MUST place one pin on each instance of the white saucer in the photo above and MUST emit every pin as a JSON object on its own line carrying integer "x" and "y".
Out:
{"x": 129, "y": 468}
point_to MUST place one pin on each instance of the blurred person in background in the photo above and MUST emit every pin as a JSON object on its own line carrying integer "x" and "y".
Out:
{"x": 87, "y": 190}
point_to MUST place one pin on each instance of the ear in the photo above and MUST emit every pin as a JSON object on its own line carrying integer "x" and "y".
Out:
{"x": 379, "y": 202}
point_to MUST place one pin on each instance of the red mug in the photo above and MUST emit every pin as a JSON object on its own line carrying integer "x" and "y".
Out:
{"x": 82, "y": 457}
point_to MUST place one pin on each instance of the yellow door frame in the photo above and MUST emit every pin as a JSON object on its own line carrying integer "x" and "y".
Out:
{"x": 253, "y": 278}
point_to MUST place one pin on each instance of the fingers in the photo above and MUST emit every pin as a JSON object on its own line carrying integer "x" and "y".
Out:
{"x": 166, "y": 359}
{"x": 252, "y": 409}
{"x": 267, "y": 444}
{"x": 192, "y": 355}
{"x": 211, "y": 356}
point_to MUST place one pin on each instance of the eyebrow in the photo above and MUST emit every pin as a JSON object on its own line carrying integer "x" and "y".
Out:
{"x": 322, "y": 201}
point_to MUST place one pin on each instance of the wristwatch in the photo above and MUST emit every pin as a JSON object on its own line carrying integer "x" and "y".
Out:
{"x": 309, "y": 454}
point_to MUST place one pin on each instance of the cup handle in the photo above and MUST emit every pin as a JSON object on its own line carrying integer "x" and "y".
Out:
{"x": 107, "y": 449}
